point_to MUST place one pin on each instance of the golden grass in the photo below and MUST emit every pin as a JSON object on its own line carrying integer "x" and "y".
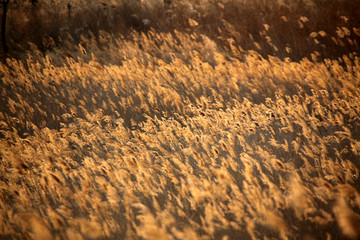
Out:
{"x": 179, "y": 140}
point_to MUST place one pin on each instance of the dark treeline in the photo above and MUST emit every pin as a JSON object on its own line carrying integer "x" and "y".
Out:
{"x": 297, "y": 29}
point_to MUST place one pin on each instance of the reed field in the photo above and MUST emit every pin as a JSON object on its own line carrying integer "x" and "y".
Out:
{"x": 179, "y": 130}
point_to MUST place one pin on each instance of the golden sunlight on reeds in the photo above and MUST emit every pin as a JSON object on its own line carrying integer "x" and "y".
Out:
{"x": 177, "y": 138}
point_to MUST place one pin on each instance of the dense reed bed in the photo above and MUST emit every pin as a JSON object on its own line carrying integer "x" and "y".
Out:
{"x": 171, "y": 135}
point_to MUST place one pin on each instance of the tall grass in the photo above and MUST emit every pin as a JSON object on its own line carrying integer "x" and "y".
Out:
{"x": 171, "y": 135}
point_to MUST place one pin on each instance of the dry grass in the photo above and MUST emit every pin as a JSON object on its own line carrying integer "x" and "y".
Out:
{"x": 171, "y": 136}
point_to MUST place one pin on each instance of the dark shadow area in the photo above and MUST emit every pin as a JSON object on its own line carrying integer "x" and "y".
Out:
{"x": 317, "y": 31}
